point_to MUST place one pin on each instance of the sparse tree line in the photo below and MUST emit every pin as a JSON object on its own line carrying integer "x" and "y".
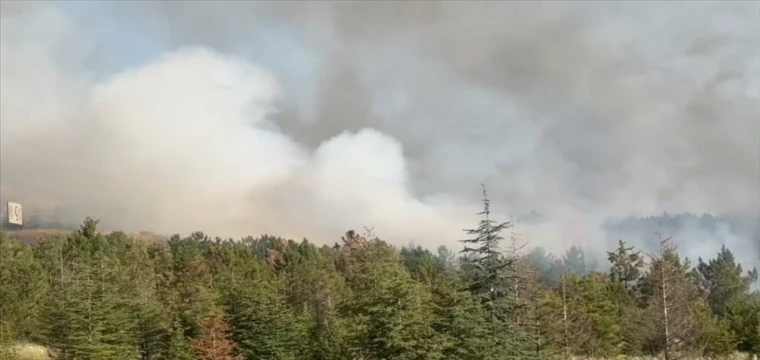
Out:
{"x": 89, "y": 296}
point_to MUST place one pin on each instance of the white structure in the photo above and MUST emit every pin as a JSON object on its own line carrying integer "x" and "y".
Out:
{"x": 15, "y": 215}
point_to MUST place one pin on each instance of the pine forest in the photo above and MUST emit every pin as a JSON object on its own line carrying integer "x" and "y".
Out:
{"x": 94, "y": 296}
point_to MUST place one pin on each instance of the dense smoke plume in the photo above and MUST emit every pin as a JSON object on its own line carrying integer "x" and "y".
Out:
{"x": 309, "y": 118}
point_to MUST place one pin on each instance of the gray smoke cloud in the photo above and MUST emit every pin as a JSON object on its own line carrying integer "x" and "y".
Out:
{"x": 577, "y": 111}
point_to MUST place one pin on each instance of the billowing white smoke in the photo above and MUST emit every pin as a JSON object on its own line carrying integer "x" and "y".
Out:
{"x": 187, "y": 142}
{"x": 184, "y": 144}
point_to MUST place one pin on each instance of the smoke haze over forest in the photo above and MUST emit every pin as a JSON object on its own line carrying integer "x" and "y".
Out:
{"x": 305, "y": 119}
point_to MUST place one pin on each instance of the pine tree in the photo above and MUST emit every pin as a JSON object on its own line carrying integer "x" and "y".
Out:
{"x": 316, "y": 288}
{"x": 192, "y": 296}
{"x": 89, "y": 296}
{"x": 575, "y": 328}
{"x": 671, "y": 297}
{"x": 625, "y": 272}
{"x": 724, "y": 280}
{"x": 390, "y": 316}
{"x": 715, "y": 336}
{"x": 178, "y": 347}
{"x": 93, "y": 302}
{"x": 417, "y": 260}
{"x": 537, "y": 314}
{"x": 461, "y": 320}
{"x": 491, "y": 280}
{"x": 575, "y": 263}
{"x": 263, "y": 325}
{"x": 213, "y": 342}
{"x": 484, "y": 263}
{"x": 743, "y": 316}
{"x": 626, "y": 265}
{"x": 600, "y": 310}
{"x": 549, "y": 269}
{"x": 152, "y": 322}
{"x": 152, "y": 330}
{"x": 23, "y": 289}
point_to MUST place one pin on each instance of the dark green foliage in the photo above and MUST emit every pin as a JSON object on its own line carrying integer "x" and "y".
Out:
{"x": 743, "y": 316}
{"x": 626, "y": 265}
{"x": 575, "y": 262}
{"x": 491, "y": 278}
{"x": 316, "y": 288}
{"x": 85, "y": 316}
{"x": 483, "y": 263}
{"x": 717, "y": 337}
{"x": 94, "y": 296}
{"x": 263, "y": 327}
{"x": 22, "y": 291}
{"x": 390, "y": 315}
{"x": 673, "y": 303}
{"x": 600, "y": 311}
{"x": 418, "y": 260}
{"x": 724, "y": 280}
{"x": 152, "y": 330}
{"x": 549, "y": 269}
{"x": 461, "y": 318}
{"x": 178, "y": 347}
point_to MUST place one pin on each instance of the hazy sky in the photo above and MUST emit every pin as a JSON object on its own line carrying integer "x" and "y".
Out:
{"x": 310, "y": 118}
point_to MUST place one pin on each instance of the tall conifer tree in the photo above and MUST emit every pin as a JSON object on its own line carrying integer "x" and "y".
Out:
{"x": 491, "y": 278}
